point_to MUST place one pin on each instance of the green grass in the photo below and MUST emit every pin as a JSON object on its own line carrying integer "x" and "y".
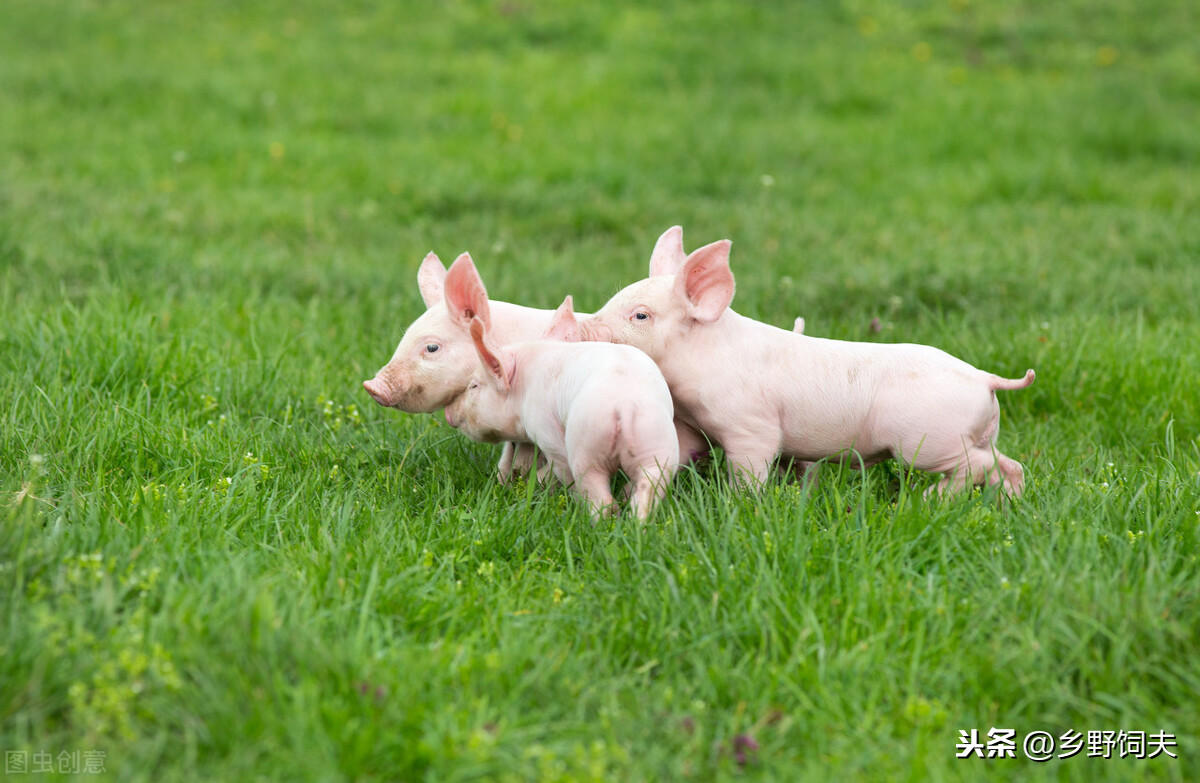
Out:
{"x": 219, "y": 560}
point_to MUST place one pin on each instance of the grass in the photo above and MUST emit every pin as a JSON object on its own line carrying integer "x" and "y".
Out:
{"x": 219, "y": 560}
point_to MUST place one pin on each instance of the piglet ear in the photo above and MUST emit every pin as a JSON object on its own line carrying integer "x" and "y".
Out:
{"x": 431, "y": 279}
{"x": 563, "y": 325}
{"x": 466, "y": 298}
{"x": 705, "y": 282}
{"x": 498, "y": 363}
{"x": 668, "y": 253}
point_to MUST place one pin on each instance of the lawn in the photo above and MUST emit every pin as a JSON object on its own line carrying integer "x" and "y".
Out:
{"x": 220, "y": 560}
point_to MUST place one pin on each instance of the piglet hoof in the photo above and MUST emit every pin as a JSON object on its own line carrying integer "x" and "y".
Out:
{"x": 807, "y": 473}
{"x": 937, "y": 490}
{"x": 1013, "y": 483}
{"x": 546, "y": 475}
{"x": 600, "y": 513}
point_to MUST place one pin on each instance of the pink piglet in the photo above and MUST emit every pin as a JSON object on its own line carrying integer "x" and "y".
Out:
{"x": 591, "y": 408}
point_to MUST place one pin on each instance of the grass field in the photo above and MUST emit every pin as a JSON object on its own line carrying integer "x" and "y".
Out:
{"x": 219, "y": 560}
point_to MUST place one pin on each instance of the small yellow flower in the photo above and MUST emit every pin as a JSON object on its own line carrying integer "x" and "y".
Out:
{"x": 1106, "y": 56}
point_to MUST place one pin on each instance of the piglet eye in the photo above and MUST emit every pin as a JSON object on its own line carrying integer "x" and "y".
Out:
{"x": 639, "y": 316}
{"x": 432, "y": 348}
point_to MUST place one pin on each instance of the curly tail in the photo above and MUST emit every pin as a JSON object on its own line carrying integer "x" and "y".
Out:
{"x": 1007, "y": 384}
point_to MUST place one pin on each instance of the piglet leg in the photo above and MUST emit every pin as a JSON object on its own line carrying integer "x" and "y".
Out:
{"x": 595, "y": 489}
{"x": 750, "y": 460}
{"x": 648, "y": 489}
{"x": 983, "y": 466}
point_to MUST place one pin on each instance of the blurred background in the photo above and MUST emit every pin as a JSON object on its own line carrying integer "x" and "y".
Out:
{"x": 955, "y": 154}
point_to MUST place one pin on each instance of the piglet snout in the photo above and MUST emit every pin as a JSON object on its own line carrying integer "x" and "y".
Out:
{"x": 378, "y": 390}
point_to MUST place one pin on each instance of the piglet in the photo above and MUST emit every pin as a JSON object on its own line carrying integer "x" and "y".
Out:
{"x": 591, "y": 408}
{"x": 760, "y": 391}
{"x": 436, "y": 359}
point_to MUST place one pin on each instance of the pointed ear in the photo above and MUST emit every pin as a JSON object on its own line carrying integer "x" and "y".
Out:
{"x": 466, "y": 298}
{"x": 705, "y": 282}
{"x": 563, "y": 325}
{"x": 431, "y": 278}
{"x": 668, "y": 253}
{"x": 498, "y": 363}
